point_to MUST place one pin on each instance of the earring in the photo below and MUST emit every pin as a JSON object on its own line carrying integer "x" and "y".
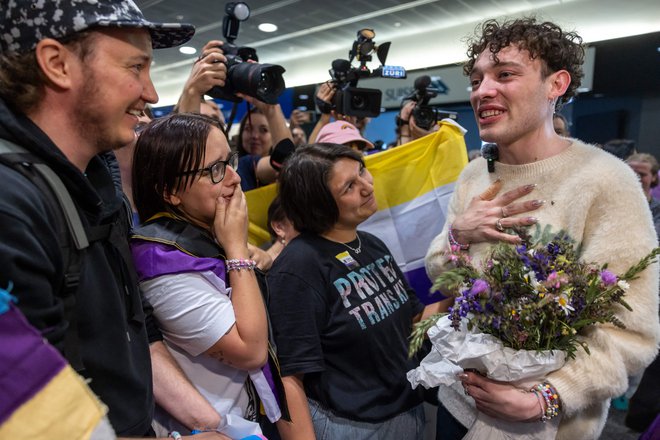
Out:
{"x": 283, "y": 241}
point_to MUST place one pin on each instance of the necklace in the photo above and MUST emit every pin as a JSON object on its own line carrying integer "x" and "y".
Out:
{"x": 358, "y": 249}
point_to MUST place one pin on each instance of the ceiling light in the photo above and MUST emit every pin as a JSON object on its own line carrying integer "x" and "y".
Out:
{"x": 188, "y": 50}
{"x": 267, "y": 27}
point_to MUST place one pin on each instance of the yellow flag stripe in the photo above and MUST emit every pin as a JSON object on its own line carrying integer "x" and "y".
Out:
{"x": 65, "y": 408}
{"x": 400, "y": 174}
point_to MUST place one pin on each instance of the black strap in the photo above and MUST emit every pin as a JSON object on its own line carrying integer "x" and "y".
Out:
{"x": 72, "y": 236}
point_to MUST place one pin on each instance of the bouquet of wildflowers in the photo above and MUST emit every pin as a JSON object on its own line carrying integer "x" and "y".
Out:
{"x": 516, "y": 317}
{"x": 532, "y": 297}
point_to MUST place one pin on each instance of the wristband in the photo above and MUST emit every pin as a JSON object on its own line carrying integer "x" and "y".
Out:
{"x": 453, "y": 242}
{"x": 238, "y": 264}
{"x": 400, "y": 121}
{"x": 175, "y": 435}
{"x": 324, "y": 106}
{"x": 551, "y": 397}
{"x": 540, "y": 399}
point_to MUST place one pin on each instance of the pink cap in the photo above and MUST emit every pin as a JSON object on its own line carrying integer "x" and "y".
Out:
{"x": 341, "y": 132}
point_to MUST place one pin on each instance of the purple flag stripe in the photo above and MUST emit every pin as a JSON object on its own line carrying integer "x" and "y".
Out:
{"x": 27, "y": 362}
{"x": 422, "y": 284}
{"x": 156, "y": 259}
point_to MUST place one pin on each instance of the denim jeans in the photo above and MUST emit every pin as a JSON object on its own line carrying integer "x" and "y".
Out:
{"x": 447, "y": 427}
{"x": 406, "y": 426}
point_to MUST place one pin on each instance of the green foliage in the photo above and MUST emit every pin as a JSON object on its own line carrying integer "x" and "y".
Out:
{"x": 534, "y": 296}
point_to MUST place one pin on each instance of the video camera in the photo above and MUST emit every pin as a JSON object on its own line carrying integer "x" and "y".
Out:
{"x": 261, "y": 81}
{"x": 349, "y": 99}
{"x": 425, "y": 115}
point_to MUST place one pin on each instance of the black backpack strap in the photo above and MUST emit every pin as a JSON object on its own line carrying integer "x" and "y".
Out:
{"x": 72, "y": 236}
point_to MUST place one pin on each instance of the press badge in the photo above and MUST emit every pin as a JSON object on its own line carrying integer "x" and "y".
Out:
{"x": 348, "y": 261}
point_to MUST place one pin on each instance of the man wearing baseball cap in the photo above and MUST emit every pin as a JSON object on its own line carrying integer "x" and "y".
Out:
{"x": 74, "y": 78}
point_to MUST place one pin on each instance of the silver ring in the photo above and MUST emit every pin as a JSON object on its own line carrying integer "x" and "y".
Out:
{"x": 504, "y": 214}
{"x": 498, "y": 225}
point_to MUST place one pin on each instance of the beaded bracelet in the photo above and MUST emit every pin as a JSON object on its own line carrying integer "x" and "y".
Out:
{"x": 540, "y": 400}
{"x": 238, "y": 264}
{"x": 453, "y": 242}
{"x": 551, "y": 397}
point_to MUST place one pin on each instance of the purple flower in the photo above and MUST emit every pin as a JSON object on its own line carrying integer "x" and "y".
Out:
{"x": 479, "y": 286}
{"x": 553, "y": 248}
{"x": 608, "y": 278}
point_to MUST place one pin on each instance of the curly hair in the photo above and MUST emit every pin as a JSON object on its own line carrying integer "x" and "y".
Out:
{"x": 21, "y": 79}
{"x": 557, "y": 49}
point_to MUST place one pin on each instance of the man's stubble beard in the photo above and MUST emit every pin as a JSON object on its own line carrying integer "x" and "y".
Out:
{"x": 92, "y": 123}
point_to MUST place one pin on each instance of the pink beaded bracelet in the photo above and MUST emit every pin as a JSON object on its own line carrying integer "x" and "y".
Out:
{"x": 540, "y": 400}
{"x": 238, "y": 264}
{"x": 453, "y": 242}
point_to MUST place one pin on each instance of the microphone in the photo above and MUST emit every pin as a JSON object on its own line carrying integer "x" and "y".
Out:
{"x": 423, "y": 82}
{"x": 420, "y": 85}
{"x": 340, "y": 65}
{"x": 491, "y": 154}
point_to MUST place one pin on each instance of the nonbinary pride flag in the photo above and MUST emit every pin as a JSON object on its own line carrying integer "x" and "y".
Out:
{"x": 413, "y": 184}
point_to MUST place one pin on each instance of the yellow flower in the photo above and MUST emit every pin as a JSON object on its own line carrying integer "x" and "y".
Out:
{"x": 563, "y": 302}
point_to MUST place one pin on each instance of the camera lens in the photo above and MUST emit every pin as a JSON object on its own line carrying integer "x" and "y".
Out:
{"x": 266, "y": 83}
{"x": 424, "y": 116}
{"x": 358, "y": 102}
{"x": 261, "y": 81}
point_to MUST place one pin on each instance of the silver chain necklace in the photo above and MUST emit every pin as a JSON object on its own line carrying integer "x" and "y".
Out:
{"x": 358, "y": 249}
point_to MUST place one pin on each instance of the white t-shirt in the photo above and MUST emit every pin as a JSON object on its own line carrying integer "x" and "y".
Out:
{"x": 194, "y": 311}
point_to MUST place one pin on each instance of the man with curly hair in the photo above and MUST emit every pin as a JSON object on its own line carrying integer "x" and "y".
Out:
{"x": 521, "y": 71}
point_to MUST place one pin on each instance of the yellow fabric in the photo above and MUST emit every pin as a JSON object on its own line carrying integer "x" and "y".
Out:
{"x": 400, "y": 174}
{"x": 64, "y": 409}
{"x": 258, "y": 201}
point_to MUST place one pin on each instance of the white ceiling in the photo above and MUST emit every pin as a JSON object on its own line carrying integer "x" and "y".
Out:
{"x": 424, "y": 33}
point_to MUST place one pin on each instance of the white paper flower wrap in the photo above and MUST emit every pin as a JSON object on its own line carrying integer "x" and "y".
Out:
{"x": 453, "y": 351}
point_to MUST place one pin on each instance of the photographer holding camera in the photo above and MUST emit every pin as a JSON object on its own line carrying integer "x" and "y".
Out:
{"x": 208, "y": 71}
{"x": 406, "y": 126}
{"x": 324, "y": 101}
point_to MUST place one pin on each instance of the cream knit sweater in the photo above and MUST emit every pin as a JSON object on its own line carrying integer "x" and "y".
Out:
{"x": 598, "y": 200}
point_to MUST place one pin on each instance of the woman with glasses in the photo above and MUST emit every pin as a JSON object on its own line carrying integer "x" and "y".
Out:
{"x": 341, "y": 309}
{"x": 193, "y": 263}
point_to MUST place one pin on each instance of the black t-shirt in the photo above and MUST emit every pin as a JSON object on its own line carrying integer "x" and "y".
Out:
{"x": 343, "y": 320}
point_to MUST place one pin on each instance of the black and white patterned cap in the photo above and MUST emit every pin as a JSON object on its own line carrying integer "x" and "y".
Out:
{"x": 24, "y": 23}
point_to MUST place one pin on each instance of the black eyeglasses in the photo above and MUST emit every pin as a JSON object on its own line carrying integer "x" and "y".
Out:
{"x": 217, "y": 169}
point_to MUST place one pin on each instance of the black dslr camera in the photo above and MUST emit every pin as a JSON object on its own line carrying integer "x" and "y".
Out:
{"x": 425, "y": 115}
{"x": 349, "y": 99}
{"x": 261, "y": 81}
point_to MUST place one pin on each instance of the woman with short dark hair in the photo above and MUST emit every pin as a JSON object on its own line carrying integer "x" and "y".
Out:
{"x": 340, "y": 307}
